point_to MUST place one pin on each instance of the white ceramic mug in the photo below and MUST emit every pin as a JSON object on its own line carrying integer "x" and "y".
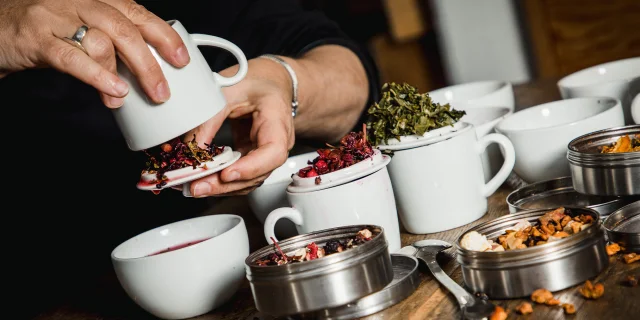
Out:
{"x": 439, "y": 184}
{"x": 195, "y": 94}
{"x": 635, "y": 109}
{"x": 364, "y": 200}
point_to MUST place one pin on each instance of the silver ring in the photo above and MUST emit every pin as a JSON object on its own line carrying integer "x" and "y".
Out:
{"x": 80, "y": 33}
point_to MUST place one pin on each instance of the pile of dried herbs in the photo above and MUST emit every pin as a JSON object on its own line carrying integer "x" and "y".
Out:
{"x": 354, "y": 147}
{"x": 403, "y": 111}
{"x": 176, "y": 155}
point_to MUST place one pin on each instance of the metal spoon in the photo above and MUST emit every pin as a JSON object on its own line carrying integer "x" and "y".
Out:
{"x": 471, "y": 307}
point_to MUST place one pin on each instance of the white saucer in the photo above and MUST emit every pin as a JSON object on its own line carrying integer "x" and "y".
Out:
{"x": 342, "y": 176}
{"x": 412, "y": 141}
{"x": 181, "y": 176}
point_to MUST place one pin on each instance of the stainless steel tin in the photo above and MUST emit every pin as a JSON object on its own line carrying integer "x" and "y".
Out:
{"x": 609, "y": 174}
{"x": 559, "y": 192}
{"x": 555, "y": 266}
{"x": 406, "y": 279}
{"x": 623, "y": 227}
{"x": 329, "y": 282}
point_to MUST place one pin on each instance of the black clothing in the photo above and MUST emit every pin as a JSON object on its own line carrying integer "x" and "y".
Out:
{"x": 86, "y": 203}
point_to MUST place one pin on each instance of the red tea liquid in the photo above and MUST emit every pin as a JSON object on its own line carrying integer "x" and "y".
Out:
{"x": 177, "y": 247}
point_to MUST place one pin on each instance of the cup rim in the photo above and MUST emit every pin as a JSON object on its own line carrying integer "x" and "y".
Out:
{"x": 288, "y": 179}
{"x": 429, "y": 138}
{"x": 238, "y": 222}
{"x": 502, "y": 85}
{"x": 565, "y": 82}
{"x": 500, "y": 126}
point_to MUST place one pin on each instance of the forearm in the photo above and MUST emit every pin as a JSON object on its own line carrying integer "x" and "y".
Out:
{"x": 332, "y": 92}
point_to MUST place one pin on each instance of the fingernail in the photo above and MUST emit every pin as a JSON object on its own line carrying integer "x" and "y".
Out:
{"x": 115, "y": 102}
{"x": 233, "y": 176}
{"x": 201, "y": 189}
{"x": 182, "y": 56}
{"x": 162, "y": 90}
{"x": 121, "y": 88}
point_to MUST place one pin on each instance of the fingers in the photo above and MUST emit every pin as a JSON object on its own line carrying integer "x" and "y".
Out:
{"x": 208, "y": 130}
{"x": 69, "y": 59}
{"x": 155, "y": 31}
{"x": 99, "y": 47}
{"x": 130, "y": 45}
{"x": 213, "y": 186}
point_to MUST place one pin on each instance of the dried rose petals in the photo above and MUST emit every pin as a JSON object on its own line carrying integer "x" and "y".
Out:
{"x": 354, "y": 147}
{"x": 175, "y": 155}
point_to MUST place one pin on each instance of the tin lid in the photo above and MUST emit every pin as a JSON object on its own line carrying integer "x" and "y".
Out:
{"x": 342, "y": 176}
{"x": 585, "y": 150}
{"x": 623, "y": 226}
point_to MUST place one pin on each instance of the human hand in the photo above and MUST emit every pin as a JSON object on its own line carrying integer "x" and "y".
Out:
{"x": 259, "y": 108}
{"x": 32, "y": 35}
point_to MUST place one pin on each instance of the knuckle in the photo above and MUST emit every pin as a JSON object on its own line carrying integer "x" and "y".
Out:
{"x": 152, "y": 70}
{"x": 66, "y": 55}
{"x": 135, "y": 11}
{"x": 124, "y": 31}
{"x": 102, "y": 46}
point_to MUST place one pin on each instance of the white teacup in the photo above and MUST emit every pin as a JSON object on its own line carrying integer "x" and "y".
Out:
{"x": 195, "y": 94}
{"x": 272, "y": 194}
{"x": 439, "y": 182}
{"x": 186, "y": 281}
{"x": 476, "y": 94}
{"x": 635, "y": 109}
{"x": 617, "y": 79}
{"x": 360, "y": 194}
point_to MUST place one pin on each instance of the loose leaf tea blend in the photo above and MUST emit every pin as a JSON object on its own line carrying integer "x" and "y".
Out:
{"x": 403, "y": 111}
{"x": 176, "y": 154}
{"x": 354, "y": 147}
{"x": 312, "y": 251}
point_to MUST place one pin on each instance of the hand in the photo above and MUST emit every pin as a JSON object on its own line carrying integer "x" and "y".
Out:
{"x": 259, "y": 108}
{"x": 32, "y": 35}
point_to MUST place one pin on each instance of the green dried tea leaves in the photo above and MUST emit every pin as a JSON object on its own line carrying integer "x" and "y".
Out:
{"x": 403, "y": 111}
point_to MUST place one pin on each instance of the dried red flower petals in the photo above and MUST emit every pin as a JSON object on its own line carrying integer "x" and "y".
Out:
{"x": 354, "y": 147}
{"x": 176, "y": 154}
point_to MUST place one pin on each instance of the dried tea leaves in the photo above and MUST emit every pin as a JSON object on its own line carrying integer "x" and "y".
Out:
{"x": 403, "y": 111}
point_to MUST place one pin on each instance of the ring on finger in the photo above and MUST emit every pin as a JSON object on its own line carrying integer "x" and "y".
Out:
{"x": 78, "y": 36}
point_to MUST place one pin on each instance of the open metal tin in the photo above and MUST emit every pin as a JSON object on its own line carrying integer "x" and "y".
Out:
{"x": 623, "y": 227}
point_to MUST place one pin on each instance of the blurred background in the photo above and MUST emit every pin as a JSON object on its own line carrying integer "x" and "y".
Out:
{"x": 434, "y": 43}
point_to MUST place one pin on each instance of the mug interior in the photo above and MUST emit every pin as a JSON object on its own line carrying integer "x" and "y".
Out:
{"x": 178, "y": 233}
{"x": 482, "y": 115}
{"x": 466, "y": 91}
{"x": 611, "y": 71}
{"x": 557, "y": 113}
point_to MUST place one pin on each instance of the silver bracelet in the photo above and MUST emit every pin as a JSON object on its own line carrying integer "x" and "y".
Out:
{"x": 294, "y": 80}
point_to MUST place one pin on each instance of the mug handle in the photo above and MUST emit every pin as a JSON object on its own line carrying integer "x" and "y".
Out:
{"x": 509, "y": 160}
{"x": 207, "y": 40}
{"x": 277, "y": 214}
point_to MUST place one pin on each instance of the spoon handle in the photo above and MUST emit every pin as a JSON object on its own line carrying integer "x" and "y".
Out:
{"x": 461, "y": 295}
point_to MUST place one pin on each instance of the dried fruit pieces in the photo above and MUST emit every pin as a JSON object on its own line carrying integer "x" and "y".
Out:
{"x": 541, "y": 296}
{"x": 623, "y": 144}
{"x": 569, "y": 308}
{"x": 631, "y": 281}
{"x": 499, "y": 314}
{"x": 354, "y": 147}
{"x": 613, "y": 248}
{"x": 592, "y": 291}
{"x": 524, "y": 308}
{"x": 631, "y": 257}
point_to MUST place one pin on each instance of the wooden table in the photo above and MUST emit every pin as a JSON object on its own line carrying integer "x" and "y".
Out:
{"x": 107, "y": 301}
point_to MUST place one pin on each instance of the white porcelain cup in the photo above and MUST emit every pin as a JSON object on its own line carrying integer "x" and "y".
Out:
{"x": 617, "y": 79}
{"x": 476, "y": 94}
{"x": 439, "y": 184}
{"x": 188, "y": 281}
{"x": 366, "y": 199}
{"x": 195, "y": 94}
{"x": 635, "y": 109}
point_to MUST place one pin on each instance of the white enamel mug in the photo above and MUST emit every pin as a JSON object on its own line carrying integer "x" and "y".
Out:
{"x": 365, "y": 200}
{"x": 195, "y": 94}
{"x": 439, "y": 184}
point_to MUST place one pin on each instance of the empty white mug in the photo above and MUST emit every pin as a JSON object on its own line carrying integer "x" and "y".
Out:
{"x": 195, "y": 94}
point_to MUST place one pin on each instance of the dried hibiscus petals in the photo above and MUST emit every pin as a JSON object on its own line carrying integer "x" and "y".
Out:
{"x": 591, "y": 291}
{"x": 499, "y": 314}
{"x": 312, "y": 251}
{"x": 175, "y": 155}
{"x": 631, "y": 257}
{"x": 354, "y": 147}
{"x": 524, "y": 308}
{"x": 613, "y": 248}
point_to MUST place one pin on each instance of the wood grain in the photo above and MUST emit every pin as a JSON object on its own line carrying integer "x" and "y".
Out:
{"x": 106, "y": 300}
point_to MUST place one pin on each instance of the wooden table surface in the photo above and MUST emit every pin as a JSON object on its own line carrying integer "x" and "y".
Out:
{"x": 107, "y": 301}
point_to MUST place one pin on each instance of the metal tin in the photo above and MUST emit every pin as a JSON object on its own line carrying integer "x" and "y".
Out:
{"x": 559, "y": 192}
{"x": 609, "y": 174}
{"x": 517, "y": 273}
{"x": 623, "y": 227}
{"x": 332, "y": 281}
{"x": 406, "y": 279}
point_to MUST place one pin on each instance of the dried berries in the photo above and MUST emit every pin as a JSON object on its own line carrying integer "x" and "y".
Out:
{"x": 592, "y": 291}
{"x": 631, "y": 257}
{"x": 176, "y": 154}
{"x": 623, "y": 144}
{"x": 613, "y": 248}
{"x": 498, "y": 314}
{"x": 354, "y": 147}
{"x": 552, "y": 226}
{"x": 312, "y": 251}
{"x": 524, "y": 308}
{"x": 403, "y": 111}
